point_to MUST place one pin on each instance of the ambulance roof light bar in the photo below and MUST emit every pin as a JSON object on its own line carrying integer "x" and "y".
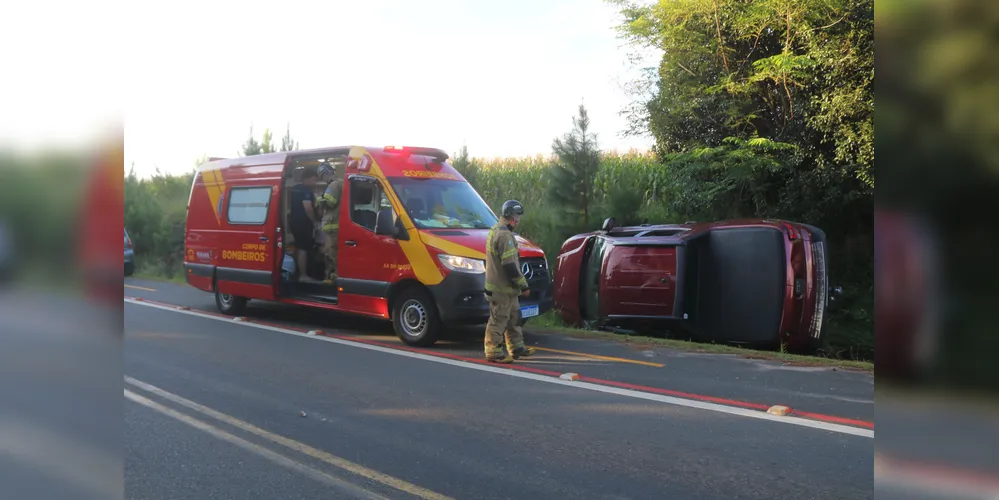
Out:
{"x": 438, "y": 155}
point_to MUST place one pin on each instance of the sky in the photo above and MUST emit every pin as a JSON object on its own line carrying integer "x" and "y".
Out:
{"x": 190, "y": 79}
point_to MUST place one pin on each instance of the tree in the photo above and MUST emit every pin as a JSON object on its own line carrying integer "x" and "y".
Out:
{"x": 570, "y": 184}
{"x": 465, "y": 165}
{"x": 251, "y": 146}
{"x": 287, "y": 143}
{"x": 267, "y": 143}
{"x": 792, "y": 71}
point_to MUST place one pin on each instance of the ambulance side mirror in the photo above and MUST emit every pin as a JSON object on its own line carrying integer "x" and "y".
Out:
{"x": 385, "y": 223}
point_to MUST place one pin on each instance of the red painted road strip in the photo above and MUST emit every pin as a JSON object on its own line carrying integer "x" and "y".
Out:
{"x": 527, "y": 369}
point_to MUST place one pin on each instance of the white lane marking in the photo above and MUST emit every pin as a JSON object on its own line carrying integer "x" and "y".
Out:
{"x": 303, "y": 448}
{"x": 343, "y": 486}
{"x": 689, "y": 403}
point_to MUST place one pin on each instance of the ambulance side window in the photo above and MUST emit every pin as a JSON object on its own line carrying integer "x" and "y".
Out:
{"x": 248, "y": 205}
{"x": 364, "y": 198}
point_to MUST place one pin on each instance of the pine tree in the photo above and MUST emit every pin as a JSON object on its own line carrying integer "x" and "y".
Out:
{"x": 251, "y": 146}
{"x": 287, "y": 144}
{"x": 465, "y": 165}
{"x": 267, "y": 143}
{"x": 571, "y": 178}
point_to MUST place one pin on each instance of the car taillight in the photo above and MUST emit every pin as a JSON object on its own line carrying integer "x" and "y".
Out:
{"x": 792, "y": 233}
{"x": 821, "y": 287}
{"x": 128, "y": 242}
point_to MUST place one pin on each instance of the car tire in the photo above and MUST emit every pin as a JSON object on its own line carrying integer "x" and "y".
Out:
{"x": 231, "y": 305}
{"x": 415, "y": 318}
{"x": 129, "y": 269}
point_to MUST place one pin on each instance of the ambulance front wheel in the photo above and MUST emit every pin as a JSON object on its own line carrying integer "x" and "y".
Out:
{"x": 415, "y": 319}
{"x": 229, "y": 304}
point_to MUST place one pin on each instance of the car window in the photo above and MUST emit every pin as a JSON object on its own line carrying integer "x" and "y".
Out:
{"x": 366, "y": 198}
{"x": 248, "y": 205}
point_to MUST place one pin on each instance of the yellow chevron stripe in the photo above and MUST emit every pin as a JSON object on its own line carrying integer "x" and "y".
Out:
{"x": 214, "y": 185}
{"x": 416, "y": 251}
{"x": 451, "y": 247}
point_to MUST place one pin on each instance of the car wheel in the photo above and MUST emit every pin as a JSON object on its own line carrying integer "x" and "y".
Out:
{"x": 129, "y": 269}
{"x": 415, "y": 318}
{"x": 229, "y": 304}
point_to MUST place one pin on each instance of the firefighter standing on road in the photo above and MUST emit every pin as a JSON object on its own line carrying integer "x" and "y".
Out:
{"x": 504, "y": 284}
{"x": 330, "y": 205}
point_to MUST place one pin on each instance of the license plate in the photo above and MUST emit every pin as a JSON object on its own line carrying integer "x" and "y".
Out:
{"x": 528, "y": 311}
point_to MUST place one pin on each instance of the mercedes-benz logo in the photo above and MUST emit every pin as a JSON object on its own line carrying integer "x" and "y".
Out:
{"x": 526, "y": 269}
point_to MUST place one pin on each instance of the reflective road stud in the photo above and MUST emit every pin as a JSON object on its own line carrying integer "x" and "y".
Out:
{"x": 779, "y": 410}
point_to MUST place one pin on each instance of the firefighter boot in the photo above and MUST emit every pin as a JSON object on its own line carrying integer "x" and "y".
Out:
{"x": 502, "y": 358}
{"x": 523, "y": 352}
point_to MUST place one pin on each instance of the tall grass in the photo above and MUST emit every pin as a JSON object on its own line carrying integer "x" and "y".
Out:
{"x": 626, "y": 184}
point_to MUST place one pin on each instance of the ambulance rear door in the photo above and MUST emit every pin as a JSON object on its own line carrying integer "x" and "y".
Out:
{"x": 248, "y": 254}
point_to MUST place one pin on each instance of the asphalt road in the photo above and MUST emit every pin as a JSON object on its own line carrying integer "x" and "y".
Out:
{"x": 222, "y": 409}
{"x": 837, "y": 393}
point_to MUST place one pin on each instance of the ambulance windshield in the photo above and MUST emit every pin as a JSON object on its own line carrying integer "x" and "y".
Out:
{"x": 441, "y": 203}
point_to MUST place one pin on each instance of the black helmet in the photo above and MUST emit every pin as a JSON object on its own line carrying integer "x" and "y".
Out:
{"x": 511, "y": 208}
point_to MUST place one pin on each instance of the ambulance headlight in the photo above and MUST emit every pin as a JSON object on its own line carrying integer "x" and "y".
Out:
{"x": 462, "y": 264}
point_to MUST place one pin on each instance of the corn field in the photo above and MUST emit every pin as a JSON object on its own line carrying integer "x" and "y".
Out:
{"x": 622, "y": 179}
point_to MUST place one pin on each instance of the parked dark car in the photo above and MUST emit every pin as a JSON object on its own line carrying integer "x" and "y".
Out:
{"x": 761, "y": 283}
{"x": 129, "y": 255}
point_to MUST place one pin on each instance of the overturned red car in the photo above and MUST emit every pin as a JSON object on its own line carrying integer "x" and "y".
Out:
{"x": 760, "y": 283}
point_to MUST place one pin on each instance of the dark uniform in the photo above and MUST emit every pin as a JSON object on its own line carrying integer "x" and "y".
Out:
{"x": 504, "y": 284}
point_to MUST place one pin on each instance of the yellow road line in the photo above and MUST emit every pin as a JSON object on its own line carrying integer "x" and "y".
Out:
{"x": 140, "y": 287}
{"x": 597, "y": 356}
{"x": 335, "y": 461}
{"x": 277, "y": 458}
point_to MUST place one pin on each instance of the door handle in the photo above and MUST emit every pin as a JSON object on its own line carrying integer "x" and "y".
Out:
{"x": 264, "y": 238}
{"x": 350, "y": 243}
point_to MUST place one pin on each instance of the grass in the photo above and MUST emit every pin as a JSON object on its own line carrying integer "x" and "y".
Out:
{"x": 153, "y": 273}
{"x": 178, "y": 280}
{"x": 550, "y": 323}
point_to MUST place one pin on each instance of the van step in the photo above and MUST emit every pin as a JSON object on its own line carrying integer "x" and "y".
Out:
{"x": 319, "y": 288}
{"x": 329, "y": 299}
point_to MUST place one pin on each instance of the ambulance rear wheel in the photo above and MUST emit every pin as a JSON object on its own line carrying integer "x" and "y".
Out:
{"x": 415, "y": 319}
{"x": 229, "y": 304}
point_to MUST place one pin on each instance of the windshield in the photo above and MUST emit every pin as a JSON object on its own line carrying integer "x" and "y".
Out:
{"x": 440, "y": 203}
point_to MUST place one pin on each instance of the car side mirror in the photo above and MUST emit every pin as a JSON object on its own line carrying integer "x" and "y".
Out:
{"x": 385, "y": 223}
{"x": 609, "y": 224}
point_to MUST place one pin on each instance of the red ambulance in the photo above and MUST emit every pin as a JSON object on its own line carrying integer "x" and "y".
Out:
{"x": 411, "y": 241}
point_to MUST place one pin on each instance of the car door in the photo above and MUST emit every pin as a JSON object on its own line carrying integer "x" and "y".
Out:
{"x": 247, "y": 261}
{"x": 366, "y": 261}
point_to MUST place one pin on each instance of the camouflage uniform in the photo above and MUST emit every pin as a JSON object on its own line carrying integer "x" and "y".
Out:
{"x": 330, "y": 205}
{"x": 502, "y": 292}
